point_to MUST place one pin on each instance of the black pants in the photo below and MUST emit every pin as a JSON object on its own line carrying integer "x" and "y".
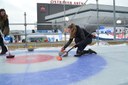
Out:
{"x": 3, "y": 47}
{"x": 82, "y": 46}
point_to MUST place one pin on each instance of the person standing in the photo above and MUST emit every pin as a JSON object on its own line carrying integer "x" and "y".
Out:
{"x": 4, "y": 30}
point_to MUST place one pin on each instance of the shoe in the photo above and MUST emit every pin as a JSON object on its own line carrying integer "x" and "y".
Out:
{"x": 85, "y": 51}
{"x": 77, "y": 55}
{"x": 91, "y": 51}
{"x": 4, "y": 51}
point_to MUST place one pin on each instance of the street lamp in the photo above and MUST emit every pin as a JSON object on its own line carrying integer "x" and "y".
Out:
{"x": 67, "y": 19}
{"x": 119, "y": 21}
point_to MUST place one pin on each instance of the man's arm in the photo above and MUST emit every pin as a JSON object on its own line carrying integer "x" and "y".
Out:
{"x": 68, "y": 43}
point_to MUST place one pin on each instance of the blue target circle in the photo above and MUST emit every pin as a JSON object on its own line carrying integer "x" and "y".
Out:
{"x": 83, "y": 68}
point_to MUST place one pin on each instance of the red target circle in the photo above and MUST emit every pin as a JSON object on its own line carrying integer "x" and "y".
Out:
{"x": 27, "y": 59}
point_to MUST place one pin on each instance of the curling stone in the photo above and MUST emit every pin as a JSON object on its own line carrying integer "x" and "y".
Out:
{"x": 10, "y": 56}
{"x": 30, "y": 49}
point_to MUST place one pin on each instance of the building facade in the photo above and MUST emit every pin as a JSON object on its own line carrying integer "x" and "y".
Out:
{"x": 46, "y": 9}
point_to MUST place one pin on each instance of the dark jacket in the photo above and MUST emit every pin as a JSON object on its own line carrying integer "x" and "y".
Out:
{"x": 4, "y": 26}
{"x": 80, "y": 37}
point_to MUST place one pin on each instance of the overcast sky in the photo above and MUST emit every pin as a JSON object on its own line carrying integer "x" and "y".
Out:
{"x": 16, "y": 8}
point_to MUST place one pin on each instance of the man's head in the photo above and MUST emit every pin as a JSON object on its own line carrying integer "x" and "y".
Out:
{"x": 70, "y": 28}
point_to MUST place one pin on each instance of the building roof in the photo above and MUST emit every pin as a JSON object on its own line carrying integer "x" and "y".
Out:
{"x": 87, "y": 14}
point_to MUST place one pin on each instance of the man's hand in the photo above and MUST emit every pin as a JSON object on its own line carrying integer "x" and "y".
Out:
{"x": 75, "y": 46}
{"x": 62, "y": 49}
